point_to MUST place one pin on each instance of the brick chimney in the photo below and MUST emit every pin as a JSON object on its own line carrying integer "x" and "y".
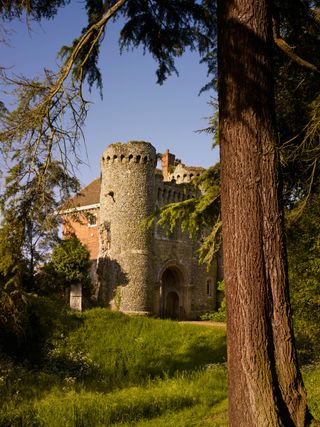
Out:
{"x": 167, "y": 160}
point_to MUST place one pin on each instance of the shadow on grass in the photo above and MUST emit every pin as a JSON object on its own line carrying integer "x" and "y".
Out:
{"x": 62, "y": 352}
{"x": 78, "y": 369}
{"x": 199, "y": 352}
{"x": 308, "y": 346}
{"x": 47, "y": 321}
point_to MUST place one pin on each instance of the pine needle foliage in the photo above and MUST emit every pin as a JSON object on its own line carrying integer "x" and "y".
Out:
{"x": 167, "y": 29}
{"x": 54, "y": 105}
{"x": 13, "y": 301}
{"x": 36, "y": 9}
{"x": 297, "y": 91}
{"x": 28, "y": 229}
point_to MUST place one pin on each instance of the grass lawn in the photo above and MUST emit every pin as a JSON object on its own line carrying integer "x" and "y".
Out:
{"x": 102, "y": 368}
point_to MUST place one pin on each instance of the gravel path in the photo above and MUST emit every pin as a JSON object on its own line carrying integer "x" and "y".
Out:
{"x": 208, "y": 323}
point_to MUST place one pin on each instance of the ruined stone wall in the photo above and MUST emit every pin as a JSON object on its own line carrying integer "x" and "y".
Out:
{"x": 126, "y": 247}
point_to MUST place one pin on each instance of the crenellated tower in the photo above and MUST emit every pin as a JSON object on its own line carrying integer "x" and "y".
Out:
{"x": 126, "y": 247}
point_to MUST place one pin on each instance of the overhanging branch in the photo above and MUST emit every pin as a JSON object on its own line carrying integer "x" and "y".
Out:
{"x": 289, "y": 50}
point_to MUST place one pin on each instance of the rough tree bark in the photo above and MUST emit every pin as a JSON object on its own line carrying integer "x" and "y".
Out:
{"x": 265, "y": 386}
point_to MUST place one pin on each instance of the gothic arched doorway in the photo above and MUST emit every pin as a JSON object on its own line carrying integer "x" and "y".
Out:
{"x": 172, "y": 305}
{"x": 172, "y": 293}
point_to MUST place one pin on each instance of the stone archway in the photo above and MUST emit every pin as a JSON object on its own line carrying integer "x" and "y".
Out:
{"x": 172, "y": 293}
{"x": 172, "y": 306}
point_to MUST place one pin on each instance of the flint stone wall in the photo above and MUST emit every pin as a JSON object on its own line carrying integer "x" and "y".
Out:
{"x": 126, "y": 199}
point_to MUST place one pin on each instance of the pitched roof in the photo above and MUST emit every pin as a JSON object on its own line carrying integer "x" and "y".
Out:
{"x": 90, "y": 195}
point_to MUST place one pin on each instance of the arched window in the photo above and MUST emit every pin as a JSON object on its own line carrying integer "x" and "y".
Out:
{"x": 209, "y": 287}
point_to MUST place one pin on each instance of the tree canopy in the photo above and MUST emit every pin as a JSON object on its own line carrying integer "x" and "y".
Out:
{"x": 71, "y": 260}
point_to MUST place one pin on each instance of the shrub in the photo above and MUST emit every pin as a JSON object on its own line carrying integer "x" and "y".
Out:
{"x": 220, "y": 315}
{"x": 70, "y": 264}
{"x": 217, "y": 316}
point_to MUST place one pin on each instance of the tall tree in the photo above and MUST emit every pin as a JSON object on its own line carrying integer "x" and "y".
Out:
{"x": 265, "y": 387}
{"x": 28, "y": 229}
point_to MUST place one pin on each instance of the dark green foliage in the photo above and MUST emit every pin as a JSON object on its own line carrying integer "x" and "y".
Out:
{"x": 304, "y": 272}
{"x": 37, "y": 9}
{"x": 3, "y": 109}
{"x": 12, "y": 271}
{"x": 297, "y": 92}
{"x": 49, "y": 283}
{"x": 45, "y": 320}
{"x": 70, "y": 264}
{"x": 28, "y": 230}
{"x": 217, "y": 316}
{"x": 29, "y": 206}
{"x": 167, "y": 29}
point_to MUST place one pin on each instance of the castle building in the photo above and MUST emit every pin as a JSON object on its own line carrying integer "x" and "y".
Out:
{"x": 139, "y": 270}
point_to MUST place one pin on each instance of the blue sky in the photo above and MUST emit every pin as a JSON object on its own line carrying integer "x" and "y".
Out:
{"x": 134, "y": 107}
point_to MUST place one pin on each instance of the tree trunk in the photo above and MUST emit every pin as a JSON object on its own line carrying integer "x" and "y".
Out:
{"x": 265, "y": 386}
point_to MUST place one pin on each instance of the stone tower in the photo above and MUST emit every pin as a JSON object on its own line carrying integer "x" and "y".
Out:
{"x": 126, "y": 247}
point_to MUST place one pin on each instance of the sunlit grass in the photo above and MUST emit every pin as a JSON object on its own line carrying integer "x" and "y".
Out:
{"x": 111, "y": 369}
{"x": 108, "y": 369}
{"x": 311, "y": 376}
{"x": 130, "y": 405}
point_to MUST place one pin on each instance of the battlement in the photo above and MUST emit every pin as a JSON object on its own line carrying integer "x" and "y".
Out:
{"x": 185, "y": 174}
{"x": 171, "y": 191}
{"x": 134, "y": 152}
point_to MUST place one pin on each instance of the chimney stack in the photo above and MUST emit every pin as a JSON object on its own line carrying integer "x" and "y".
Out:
{"x": 167, "y": 160}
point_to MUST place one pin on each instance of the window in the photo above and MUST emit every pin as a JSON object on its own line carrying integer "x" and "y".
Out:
{"x": 209, "y": 287}
{"x": 92, "y": 220}
{"x": 108, "y": 234}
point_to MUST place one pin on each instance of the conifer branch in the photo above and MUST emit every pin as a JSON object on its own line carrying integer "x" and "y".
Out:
{"x": 289, "y": 50}
{"x": 98, "y": 27}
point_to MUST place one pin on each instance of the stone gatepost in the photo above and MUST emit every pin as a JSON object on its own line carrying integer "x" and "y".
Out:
{"x": 76, "y": 297}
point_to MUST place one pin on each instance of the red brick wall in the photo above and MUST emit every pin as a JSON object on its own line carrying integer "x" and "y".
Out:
{"x": 167, "y": 159}
{"x": 88, "y": 235}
